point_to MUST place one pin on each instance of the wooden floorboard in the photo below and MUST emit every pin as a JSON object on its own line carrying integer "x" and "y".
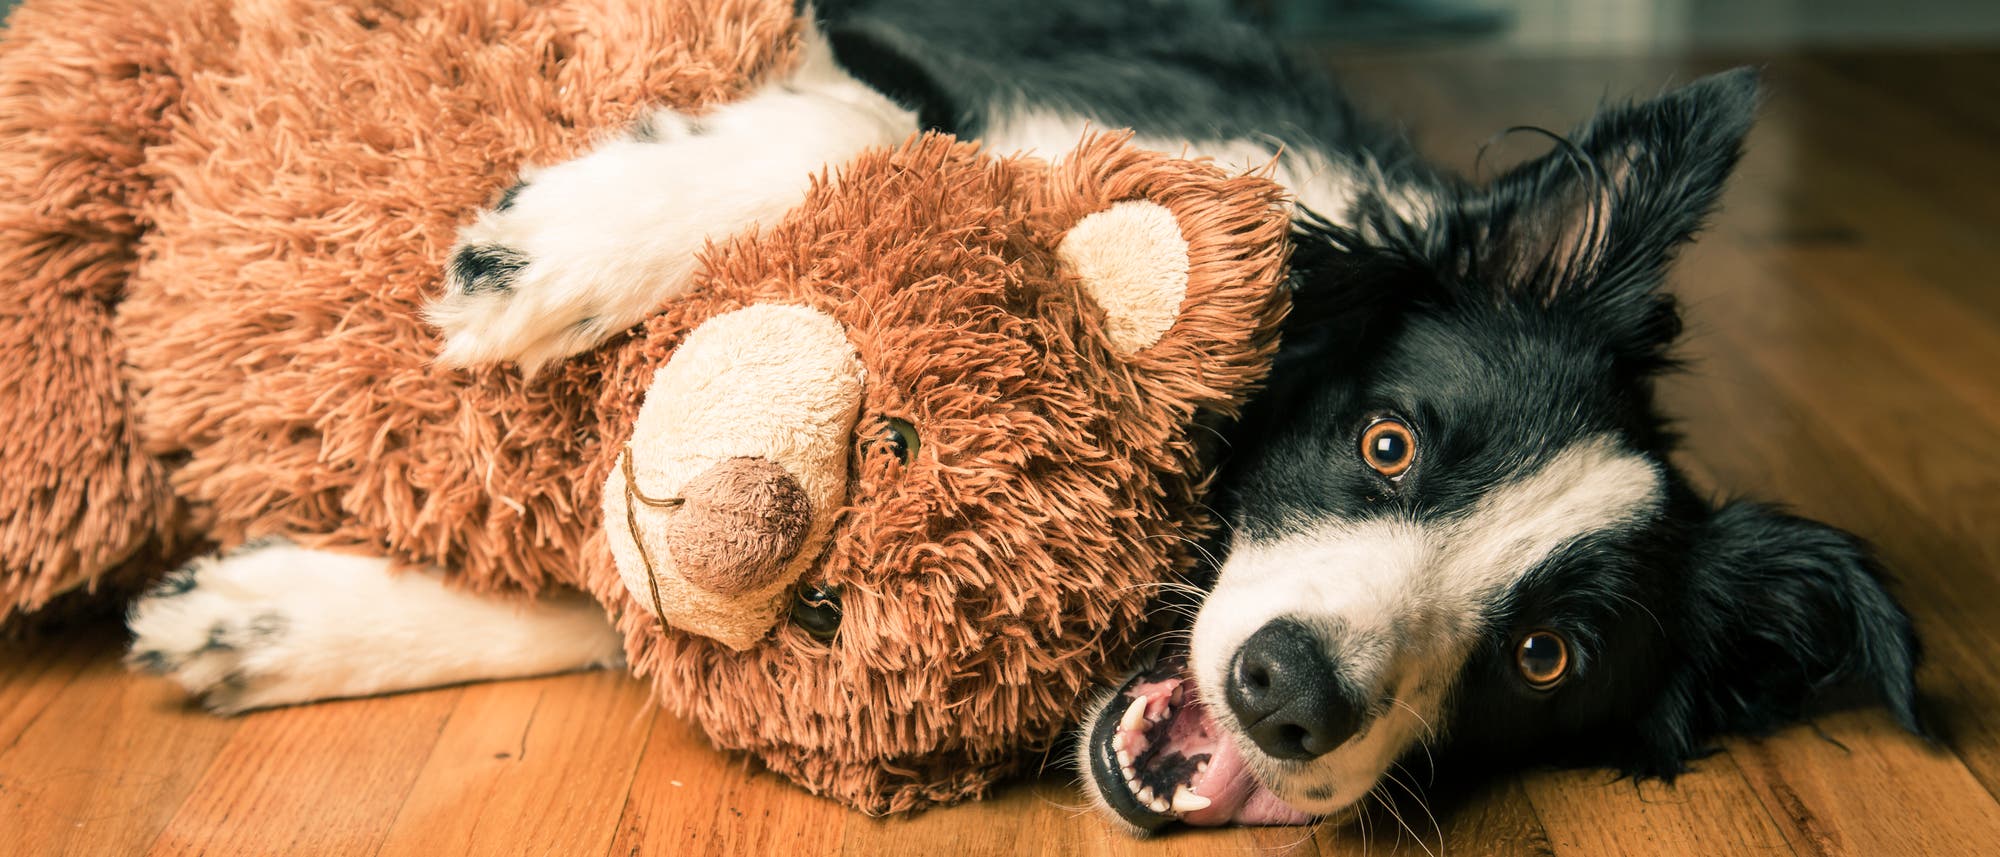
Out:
{"x": 319, "y": 779}
{"x": 529, "y": 767}
{"x": 1960, "y": 87}
{"x": 104, "y": 765}
{"x": 1844, "y": 358}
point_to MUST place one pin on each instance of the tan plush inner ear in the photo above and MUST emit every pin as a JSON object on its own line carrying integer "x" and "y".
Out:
{"x": 1133, "y": 260}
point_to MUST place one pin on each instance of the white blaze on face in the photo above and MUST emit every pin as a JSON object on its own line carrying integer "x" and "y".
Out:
{"x": 1402, "y": 601}
{"x": 776, "y": 386}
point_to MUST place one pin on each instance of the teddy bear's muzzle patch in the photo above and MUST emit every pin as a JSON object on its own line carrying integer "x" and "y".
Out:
{"x": 735, "y": 471}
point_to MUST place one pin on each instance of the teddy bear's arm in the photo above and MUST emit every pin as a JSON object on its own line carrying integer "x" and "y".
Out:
{"x": 277, "y": 624}
{"x": 586, "y": 248}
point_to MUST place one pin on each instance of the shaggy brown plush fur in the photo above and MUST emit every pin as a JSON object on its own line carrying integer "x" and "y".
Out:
{"x": 292, "y": 173}
{"x": 219, "y": 220}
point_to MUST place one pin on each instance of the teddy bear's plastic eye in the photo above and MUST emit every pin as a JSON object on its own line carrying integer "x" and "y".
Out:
{"x": 817, "y": 610}
{"x": 901, "y": 439}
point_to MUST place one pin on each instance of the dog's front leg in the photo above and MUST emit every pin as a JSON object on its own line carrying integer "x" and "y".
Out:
{"x": 584, "y": 249}
{"x": 277, "y": 624}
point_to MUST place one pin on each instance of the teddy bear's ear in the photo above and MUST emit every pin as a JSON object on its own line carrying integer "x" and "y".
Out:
{"x": 1184, "y": 262}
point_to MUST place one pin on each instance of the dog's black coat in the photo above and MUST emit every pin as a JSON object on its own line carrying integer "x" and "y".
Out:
{"x": 1175, "y": 69}
{"x": 1516, "y": 318}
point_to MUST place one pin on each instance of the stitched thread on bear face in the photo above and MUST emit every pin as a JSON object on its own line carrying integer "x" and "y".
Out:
{"x": 632, "y": 496}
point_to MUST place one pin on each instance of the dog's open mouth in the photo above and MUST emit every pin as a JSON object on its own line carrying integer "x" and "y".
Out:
{"x": 1157, "y": 757}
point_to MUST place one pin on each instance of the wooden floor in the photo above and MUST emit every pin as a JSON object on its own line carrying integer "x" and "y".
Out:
{"x": 1846, "y": 358}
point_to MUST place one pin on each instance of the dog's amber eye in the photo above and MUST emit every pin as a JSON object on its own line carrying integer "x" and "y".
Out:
{"x": 817, "y": 610}
{"x": 1543, "y": 659}
{"x": 1388, "y": 446}
{"x": 900, "y": 438}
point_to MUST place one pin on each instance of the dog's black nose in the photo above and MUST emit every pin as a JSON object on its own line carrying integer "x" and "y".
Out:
{"x": 1287, "y": 693}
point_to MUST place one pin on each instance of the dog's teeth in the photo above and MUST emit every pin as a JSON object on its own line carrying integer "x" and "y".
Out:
{"x": 1201, "y": 768}
{"x": 1159, "y": 805}
{"x": 1186, "y": 801}
{"x": 1118, "y": 743}
{"x": 1145, "y": 795}
{"x": 1131, "y": 775}
{"x": 1124, "y": 759}
{"x": 1135, "y": 716}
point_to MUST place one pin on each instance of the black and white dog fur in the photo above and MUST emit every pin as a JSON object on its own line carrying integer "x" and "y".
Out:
{"x": 1453, "y": 525}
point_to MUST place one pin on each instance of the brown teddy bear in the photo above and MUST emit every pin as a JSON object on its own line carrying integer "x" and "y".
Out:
{"x": 877, "y": 497}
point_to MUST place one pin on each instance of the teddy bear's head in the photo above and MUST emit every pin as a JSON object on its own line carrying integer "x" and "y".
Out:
{"x": 900, "y": 475}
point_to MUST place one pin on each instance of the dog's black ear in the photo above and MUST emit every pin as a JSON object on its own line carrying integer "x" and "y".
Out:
{"x": 1783, "y": 617}
{"x": 885, "y": 58}
{"x": 1594, "y": 223}
{"x": 1347, "y": 294}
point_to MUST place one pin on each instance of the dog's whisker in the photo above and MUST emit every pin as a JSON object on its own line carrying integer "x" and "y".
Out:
{"x": 1421, "y": 803}
{"x": 1287, "y": 848}
{"x": 1642, "y": 606}
{"x": 1397, "y": 814}
{"x": 1363, "y": 814}
{"x": 1423, "y": 737}
{"x": 1200, "y": 548}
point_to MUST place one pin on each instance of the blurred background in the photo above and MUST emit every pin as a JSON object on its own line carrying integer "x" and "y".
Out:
{"x": 1529, "y": 26}
{"x": 1613, "y": 25}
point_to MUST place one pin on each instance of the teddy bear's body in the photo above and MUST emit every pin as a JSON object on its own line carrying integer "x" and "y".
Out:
{"x": 924, "y": 388}
{"x": 222, "y": 220}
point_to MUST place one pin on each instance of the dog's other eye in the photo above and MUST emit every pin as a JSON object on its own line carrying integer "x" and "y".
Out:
{"x": 901, "y": 439}
{"x": 1543, "y": 659}
{"x": 817, "y": 610}
{"x": 1389, "y": 446}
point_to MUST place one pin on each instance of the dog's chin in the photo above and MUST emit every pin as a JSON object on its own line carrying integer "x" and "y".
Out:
{"x": 1153, "y": 755}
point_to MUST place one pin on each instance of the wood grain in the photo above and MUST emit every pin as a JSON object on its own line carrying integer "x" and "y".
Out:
{"x": 98, "y": 769}
{"x": 689, "y": 799}
{"x": 318, "y": 779}
{"x": 1844, "y": 358}
{"x": 527, "y": 767}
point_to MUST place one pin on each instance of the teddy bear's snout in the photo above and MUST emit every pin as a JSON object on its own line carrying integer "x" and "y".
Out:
{"x": 741, "y": 522}
{"x": 736, "y": 470}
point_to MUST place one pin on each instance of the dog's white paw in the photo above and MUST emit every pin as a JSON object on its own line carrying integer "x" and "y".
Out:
{"x": 221, "y": 635}
{"x": 582, "y": 250}
{"x": 579, "y": 251}
{"x": 666, "y": 126}
{"x": 276, "y": 624}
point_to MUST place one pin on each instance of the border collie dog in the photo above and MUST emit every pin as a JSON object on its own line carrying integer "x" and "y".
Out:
{"x": 1453, "y": 526}
{"x": 1454, "y": 531}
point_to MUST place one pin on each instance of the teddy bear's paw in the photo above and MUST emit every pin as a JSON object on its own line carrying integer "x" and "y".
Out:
{"x": 276, "y": 624}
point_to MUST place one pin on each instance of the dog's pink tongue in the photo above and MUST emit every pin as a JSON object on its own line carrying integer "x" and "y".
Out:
{"x": 1234, "y": 796}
